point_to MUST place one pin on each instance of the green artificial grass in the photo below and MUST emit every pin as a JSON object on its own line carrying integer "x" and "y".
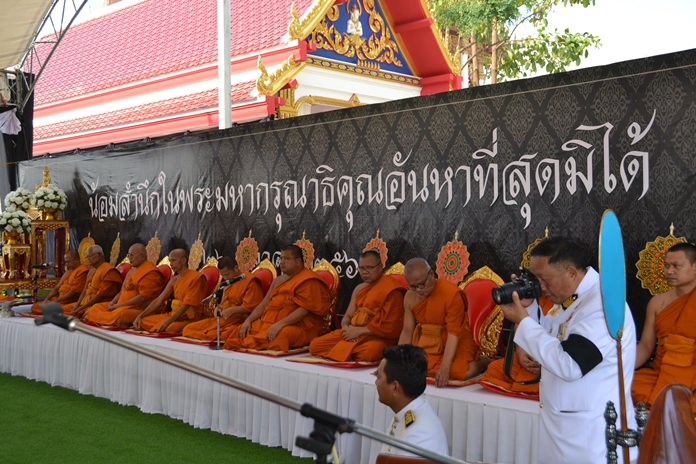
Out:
{"x": 44, "y": 424}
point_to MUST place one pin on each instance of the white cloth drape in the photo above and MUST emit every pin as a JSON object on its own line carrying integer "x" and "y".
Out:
{"x": 9, "y": 123}
{"x": 480, "y": 426}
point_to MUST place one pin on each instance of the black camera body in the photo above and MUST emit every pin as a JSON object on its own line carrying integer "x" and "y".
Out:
{"x": 526, "y": 286}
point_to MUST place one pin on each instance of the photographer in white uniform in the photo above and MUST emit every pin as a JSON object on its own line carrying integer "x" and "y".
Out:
{"x": 578, "y": 357}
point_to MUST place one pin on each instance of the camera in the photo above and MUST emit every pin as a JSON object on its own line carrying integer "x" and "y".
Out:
{"x": 526, "y": 286}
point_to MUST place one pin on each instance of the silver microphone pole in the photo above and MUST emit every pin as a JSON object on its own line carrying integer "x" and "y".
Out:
{"x": 326, "y": 424}
{"x": 218, "y": 315}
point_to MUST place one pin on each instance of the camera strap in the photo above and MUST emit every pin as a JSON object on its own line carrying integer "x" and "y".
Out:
{"x": 509, "y": 356}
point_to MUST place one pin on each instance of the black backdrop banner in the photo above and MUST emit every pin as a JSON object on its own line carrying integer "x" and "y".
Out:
{"x": 495, "y": 164}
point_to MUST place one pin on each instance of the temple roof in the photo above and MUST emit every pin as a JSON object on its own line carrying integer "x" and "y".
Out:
{"x": 84, "y": 61}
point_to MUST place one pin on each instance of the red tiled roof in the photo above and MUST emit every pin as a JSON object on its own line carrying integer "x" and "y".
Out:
{"x": 196, "y": 101}
{"x": 155, "y": 37}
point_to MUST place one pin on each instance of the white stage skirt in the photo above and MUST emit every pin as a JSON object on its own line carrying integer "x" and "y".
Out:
{"x": 481, "y": 426}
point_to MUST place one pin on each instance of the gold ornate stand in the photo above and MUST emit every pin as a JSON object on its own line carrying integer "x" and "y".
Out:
{"x": 41, "y": 235}
{"x": 15, "y": 261}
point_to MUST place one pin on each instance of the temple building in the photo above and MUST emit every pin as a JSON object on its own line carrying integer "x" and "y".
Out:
{"x": 147, "y": 68}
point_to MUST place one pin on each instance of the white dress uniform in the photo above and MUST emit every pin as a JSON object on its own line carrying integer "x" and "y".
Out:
{"x": 572, "y": 426}
{"x": 417, "y": 424}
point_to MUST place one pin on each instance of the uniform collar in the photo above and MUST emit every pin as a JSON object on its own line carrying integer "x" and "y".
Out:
{"x": 415, "y": 404}
{"x": 590, "y": 279}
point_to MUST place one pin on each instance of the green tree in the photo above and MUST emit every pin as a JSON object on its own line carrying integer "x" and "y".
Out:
{"x": 485, "y": 30}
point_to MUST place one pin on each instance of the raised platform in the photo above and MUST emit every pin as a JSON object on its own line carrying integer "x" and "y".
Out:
{"x": 481, "y": 426}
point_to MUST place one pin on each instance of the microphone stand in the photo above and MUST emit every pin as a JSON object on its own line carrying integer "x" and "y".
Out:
{"x": 321, "y": 439}
{"x": 218, "y": 315}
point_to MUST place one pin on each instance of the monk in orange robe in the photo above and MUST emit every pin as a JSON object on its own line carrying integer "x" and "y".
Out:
{"x": 435, "y": 319}
{"x": 142, "y": 284}
{"x": 103, "y": 282}
{"x": 524, "y": 368}
{"x": 187, "y": 290}
{"x": 69, "y": 286}
{"x": 670, "y": 322}
{"x": 292, "y": 312}
{"x": 238, "y": 300}
{"x": 374, "y": 318}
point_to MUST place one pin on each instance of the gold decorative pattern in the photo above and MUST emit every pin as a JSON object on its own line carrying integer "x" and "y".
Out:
{"x": 267, "y": 264}
{"x": 651, "y": 260}
{"x": 115, "y": 250}
{"x": 298, "y": 28}
{"x": 326, "y": 266}
{"x": 484, "y": 272}
{"x": 307, "y": 251}
{"x": 379, "y": 47}
{"x": 270, "y": 84}
{"x": 378, "y": 244}
{"x": 153, "y": 248}
{"x": 291, "y": 108}
{"x": 87, "y": 242}
{"x": 247, "y": 253}
{"x": 524, "y": 264}
{"x": 164, "y": 261}
{"x": 196, "y": 253}
{"x": 353, "y": 69}
{"x": 395, "y": 269}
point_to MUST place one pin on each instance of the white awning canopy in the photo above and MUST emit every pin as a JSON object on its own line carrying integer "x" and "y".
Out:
{"x": 20, "y": 19}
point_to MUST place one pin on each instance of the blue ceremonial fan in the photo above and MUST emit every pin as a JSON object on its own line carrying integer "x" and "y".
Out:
{"x": 612, "y": 273}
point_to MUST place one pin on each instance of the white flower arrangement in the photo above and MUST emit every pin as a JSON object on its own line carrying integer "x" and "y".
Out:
{"x": 18, "y": 200}
{"x": 15, "y": 221}
{"x": 49, "y": 198}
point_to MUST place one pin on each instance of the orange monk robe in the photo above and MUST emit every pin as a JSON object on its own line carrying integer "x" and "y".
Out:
{"x": 303, "y": 290}
{"x": 380, "y": 307}
{"x": 440, "y": 313}
{"x": 105, "y": 281}
{"x": 675, "y": 358}
{"x": 73, "y": 281}
{"x": 190, "y": 288}
{"x": 495, "y": 372}
{"x": 246, "y": 293}
{"x": 145, "y": 280}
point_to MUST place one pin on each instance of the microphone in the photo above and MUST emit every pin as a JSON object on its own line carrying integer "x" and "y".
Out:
{"x": 225, "y": 283}
{"x": 53, "y": 314}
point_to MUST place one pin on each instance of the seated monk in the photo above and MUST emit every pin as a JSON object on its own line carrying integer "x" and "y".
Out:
{"x": 435, "y": 319}
{"x": 142, "y": 284}
{"x": 373, "y": 320}
{"x": 670, "y": 322}
{"x": 292, "y": 312}
{"x": 238, "y": 300}
{"x": 103, "y": 282}
{"x": 68, "y": 288}
{"x": 524, "y": 371}
{"x": 186, "y": 289}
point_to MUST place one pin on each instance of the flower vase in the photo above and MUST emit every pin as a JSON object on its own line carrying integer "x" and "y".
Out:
{"x": 11, "y": 238}
{"x": 49, "y": 214}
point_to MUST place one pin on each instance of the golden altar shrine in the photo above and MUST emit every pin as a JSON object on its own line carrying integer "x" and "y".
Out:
{"x": 38, "y": 264}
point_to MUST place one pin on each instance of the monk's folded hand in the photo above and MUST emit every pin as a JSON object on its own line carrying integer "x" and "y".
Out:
{"x": 352, "y": 333}
{"x": 442, "y": 376}
{"x": 273, "y": 330}
{"x": 162, "y": 326}
{"x": 528, "y": 362}
{"x": 244, "y": 329}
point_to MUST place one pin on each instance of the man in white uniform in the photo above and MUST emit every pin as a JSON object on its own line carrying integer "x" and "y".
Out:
{"x": 400, "y": 385}
{"x": 578, "y": 357}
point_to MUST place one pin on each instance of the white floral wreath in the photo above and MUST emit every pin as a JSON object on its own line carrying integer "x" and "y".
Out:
{"x": 49, "y": 197}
